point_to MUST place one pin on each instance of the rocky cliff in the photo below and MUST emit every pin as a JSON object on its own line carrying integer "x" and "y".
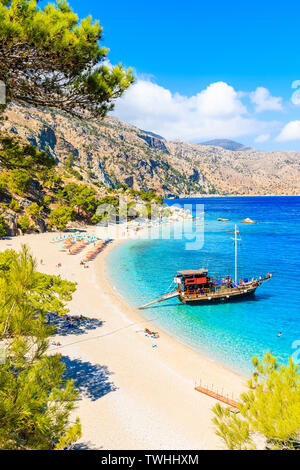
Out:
{"x": 114, "y": 152}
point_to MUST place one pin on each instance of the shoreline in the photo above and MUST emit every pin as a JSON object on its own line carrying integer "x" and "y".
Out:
{"x": 135, "y": 313}
{"x": 203, "y": 196}
{"x": 132, "y": 395}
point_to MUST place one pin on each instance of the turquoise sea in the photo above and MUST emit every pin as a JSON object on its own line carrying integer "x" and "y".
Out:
{"x": 229, "y": 333}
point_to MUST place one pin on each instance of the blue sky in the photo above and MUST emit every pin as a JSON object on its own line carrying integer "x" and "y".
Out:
{"x": 213, "y": 69}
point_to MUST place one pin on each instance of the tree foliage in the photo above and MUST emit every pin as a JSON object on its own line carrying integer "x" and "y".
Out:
{"x": 3, "y": 226}
{"x": 28, "y": 295}
{"x": 24, "y": 223}
{"x": 19, "y": 181}
{"x": 35, "y": 398}
{"x": 34, "y": 210}
{"x": 35, "y": 403}
{"x": 60, "y": 217}
{"x": 14, "y": 205}
{"x": 50, "y": 58}
{"x": 269, "y": 410}
{"x": 15, "y": 155}
{"x": 82, "y": 197}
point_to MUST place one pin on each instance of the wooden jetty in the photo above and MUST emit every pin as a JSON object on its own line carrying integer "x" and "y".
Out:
{"x": 234, "y": 406}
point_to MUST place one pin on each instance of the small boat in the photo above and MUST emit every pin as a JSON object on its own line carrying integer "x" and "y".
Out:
{"x": 197, "y": 287}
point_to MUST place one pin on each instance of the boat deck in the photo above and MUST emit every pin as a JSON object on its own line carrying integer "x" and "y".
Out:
{"x": 222, "y": 293}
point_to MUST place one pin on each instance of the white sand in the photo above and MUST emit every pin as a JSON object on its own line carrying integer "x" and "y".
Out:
{"x": 133, "y": 396}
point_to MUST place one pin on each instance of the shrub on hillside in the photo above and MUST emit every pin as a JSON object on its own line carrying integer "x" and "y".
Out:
{"x": 24, "y": 223}
{"x": 14, "y": 205}
{"x": 34, "y": 210}
{"x": 18, "y": 181}
{"x": 47, "y": 200}
{"x": 60, "y": 217}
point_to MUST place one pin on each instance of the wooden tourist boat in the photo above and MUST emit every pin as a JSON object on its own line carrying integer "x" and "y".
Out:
{"x": 196, "y": 286}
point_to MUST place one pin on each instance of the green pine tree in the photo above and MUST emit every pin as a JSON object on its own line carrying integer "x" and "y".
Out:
{"x": 50, "y": 58}
{"x": 270, "y": 410}
{"x": 35, "y": 398}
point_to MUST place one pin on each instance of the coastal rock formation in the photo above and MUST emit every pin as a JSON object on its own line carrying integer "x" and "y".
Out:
{"x": 249, "y": 221}
{"x": 116, "y": 153}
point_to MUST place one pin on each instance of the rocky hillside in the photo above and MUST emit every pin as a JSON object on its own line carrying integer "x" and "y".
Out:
{"x": 114, "y": 152}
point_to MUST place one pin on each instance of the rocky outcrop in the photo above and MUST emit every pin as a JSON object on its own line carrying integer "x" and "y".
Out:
{"x": 129, "y": 180}
{"x": 249, "y": 221}
{"x": 154, "y": 142}
{"x": 46, "y": 138}
{"x": 40, "y": 225}
{"x": 11, "y": 223}
{"x": 195, "y": 175}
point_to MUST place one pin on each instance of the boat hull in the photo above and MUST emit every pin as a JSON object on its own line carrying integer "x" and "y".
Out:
{"x": 206, "y": 300}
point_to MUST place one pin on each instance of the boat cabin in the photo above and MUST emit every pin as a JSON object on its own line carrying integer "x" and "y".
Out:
{"x": 193, "y": 280}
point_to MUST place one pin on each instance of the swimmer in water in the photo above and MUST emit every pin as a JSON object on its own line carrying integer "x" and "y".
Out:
{"x": 279, "y": 334}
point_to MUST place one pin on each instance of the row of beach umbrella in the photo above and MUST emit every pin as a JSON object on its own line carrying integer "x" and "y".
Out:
{"x": 74, "y": 236}
{"x": 91, "y": 254}
{"x": 78, "y": 246}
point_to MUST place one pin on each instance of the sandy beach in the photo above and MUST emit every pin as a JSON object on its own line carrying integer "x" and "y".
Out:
{"x": 132, "y": 395}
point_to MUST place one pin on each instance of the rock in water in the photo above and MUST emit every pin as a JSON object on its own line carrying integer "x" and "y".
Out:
{"x": 249, "y": 221}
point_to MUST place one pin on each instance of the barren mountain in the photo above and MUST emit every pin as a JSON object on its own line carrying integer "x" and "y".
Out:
{"x": 225, "y": 144}
{"x": 116, "y": 152}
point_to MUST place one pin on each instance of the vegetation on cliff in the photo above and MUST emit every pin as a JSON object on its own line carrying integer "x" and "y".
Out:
{"x": 36, "y": 193}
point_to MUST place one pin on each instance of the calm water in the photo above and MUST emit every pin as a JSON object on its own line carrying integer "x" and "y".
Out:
{"x": 229, "y": 333}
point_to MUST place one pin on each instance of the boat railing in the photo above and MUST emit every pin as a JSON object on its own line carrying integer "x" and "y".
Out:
{"x": 222, "y": 291}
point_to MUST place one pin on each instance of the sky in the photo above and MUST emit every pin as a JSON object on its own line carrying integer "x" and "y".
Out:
{"x": 207, "y": 69}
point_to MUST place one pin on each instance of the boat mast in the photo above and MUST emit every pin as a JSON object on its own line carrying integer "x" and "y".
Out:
{"x": 236, "y": 239}
{"x": 235, "y": 246}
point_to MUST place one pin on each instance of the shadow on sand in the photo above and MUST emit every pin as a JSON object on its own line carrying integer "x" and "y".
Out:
{"x": 92, "y": 380}
{"x": 85, "y": 446}
{"x": 65, "y": 326}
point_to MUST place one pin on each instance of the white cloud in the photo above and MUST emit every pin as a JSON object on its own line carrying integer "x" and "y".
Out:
{"x": 216, "y": 111}
{"x": 264, "y": 101}
{"x": 218, "y": 99}
{"x": 262, "y": 138}
{"x": 291, "y": 131}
